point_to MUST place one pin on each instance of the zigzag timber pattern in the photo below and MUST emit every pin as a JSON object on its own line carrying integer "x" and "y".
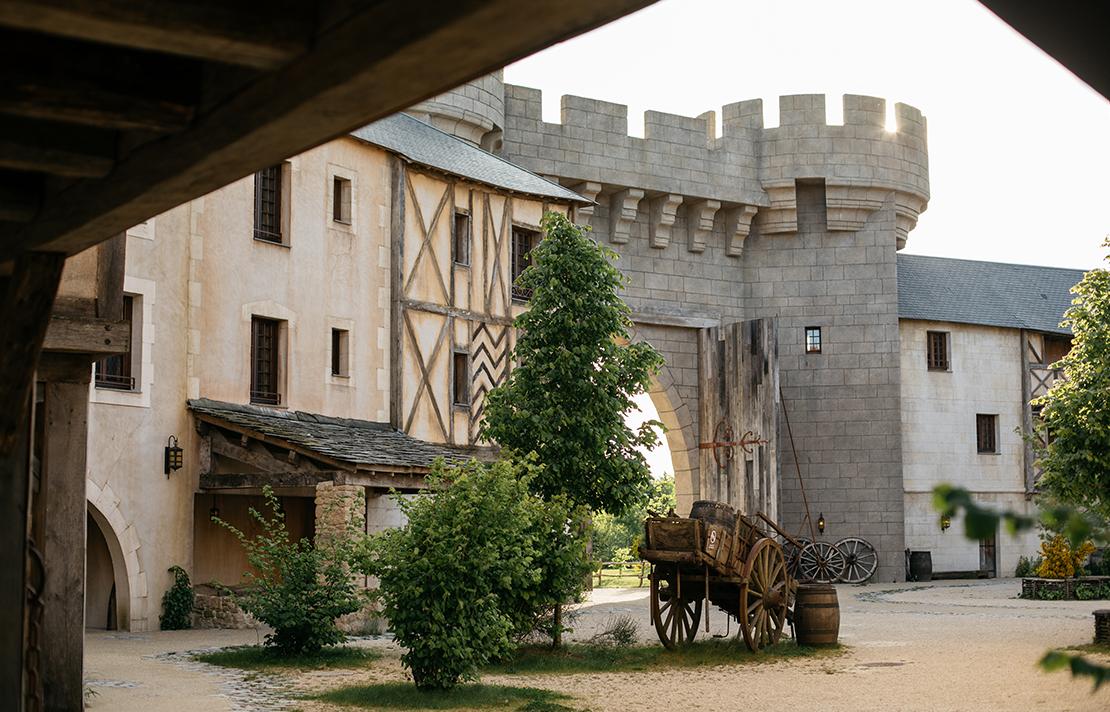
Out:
{"x": 490, "y": 360}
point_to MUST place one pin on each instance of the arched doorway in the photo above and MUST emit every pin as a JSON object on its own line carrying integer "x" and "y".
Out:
{"x": 107, "y": 594}
{"x": 681, "y": 440}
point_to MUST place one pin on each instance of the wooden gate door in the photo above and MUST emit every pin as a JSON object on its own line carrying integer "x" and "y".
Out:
{"x": 988, "y": 559}
{"x": 738, "y": 402}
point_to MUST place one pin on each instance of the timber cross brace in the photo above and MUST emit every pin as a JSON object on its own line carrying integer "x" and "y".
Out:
{"x": 723, "y": 440}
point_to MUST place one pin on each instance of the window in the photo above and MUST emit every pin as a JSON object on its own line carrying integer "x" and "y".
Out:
{"x": 936, "y": 350}
{"x": 115, "y": 371}
{"x": 460, "y": 378}
{"x": 340, "y": 352}
{"x": 813, "y": 339}
{"x": 1055, "y": 348}
{"x": 264, "y": 361}
{"x": 268, "y": 204}
{"x": 341, "y": 200}
{"x": 986, "y": 433}
{"x": 461, "y": 246}
{"x": 523, "y": 242}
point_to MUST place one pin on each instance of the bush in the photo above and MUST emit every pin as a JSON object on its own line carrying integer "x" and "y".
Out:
{"x": 615, "y": 535}
{"x": 177, "y": 602}
{"x": 478, "y": 565}
{"x": 298, "y": 588}
{"x": 1027, "y": 566}
{"x": 1088, "y": 591}
{"x": 1060, "y": 560}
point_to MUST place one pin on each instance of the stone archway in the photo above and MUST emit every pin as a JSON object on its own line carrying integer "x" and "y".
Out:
{"x": 681, "y": 438}
{"x": 121, "y": 539}
{"x": 107, "y": 589}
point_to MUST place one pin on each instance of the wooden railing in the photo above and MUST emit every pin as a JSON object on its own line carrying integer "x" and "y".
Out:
{"x": 639, "y": 569}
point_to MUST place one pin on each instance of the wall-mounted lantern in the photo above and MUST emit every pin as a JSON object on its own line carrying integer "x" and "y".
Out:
{"x": 175, "y": 456}
{"x": 821, "y": 522}
{"x": 945, "y": 522}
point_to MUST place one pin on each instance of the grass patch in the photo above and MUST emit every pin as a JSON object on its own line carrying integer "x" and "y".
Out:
{"x": 405, "y": 696}
{"x": 254, "y": 657}
{"x": 578, "y": 658}
{"x": 1097, "y": 648}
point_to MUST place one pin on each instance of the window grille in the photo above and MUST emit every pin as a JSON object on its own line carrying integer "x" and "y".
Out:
{"x": 813, "y": 339}
{"x": 267, "y": 204}
{"x": 264, "y": 362}
{"x": 937, "y": 350}
{"x": 986, "y": 433}
{"x": 524, "y": 241}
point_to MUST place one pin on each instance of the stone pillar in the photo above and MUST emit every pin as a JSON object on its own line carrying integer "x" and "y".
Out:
{"x": 339, "y": 508}
{"x": 66, "y": 413}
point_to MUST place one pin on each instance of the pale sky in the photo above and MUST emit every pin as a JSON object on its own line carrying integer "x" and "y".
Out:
{"x": 1019, "y": 149}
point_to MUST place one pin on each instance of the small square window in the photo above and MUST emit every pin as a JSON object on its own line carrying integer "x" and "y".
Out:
{"x": 813, "y": 339}
{"x": 341, "y": 200}
{"x": 340, "y": 352}
{"x": 461, "y": 245}
{"x": 936, "y": 350}
{"x": 986, "y": 433}
{"x": 460, "y": 378}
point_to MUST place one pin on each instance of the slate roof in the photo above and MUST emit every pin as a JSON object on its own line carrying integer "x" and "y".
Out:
{"x": 988, "y": 293}
{"x": 428, "y": 146}
{"x": 359, "y": 442}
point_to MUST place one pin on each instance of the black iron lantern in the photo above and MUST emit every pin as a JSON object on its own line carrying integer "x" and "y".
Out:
{"x": 821, "y": 522}
{"x": 945, "y": 522}
{"x": 175, "y": 456}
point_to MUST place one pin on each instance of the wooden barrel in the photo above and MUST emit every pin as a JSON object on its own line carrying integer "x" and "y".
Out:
{"x": 710, "y": 512}
{"x": 816, "y": 614}
{"x": 921, "y": 566}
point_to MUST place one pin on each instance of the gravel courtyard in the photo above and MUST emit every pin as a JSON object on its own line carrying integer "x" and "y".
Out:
{"x": 940, "y": 646}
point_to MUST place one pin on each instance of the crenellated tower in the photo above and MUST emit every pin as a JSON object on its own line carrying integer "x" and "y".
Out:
{"x": 474, "y": 112}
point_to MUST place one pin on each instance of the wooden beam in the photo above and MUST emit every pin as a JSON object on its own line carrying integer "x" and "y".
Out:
{"x": 256, "y": 456}
{"x": 97, "y": 337}
{"x": 230, "y": 31}
{"x": 110, "y": 264}
{"x": 256, "y": 480}
{"x": 57, "y": 149}
{"x": 384, "y": 57}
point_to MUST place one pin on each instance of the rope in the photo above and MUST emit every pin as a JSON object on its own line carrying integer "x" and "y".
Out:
{"x": 797, "y": 467}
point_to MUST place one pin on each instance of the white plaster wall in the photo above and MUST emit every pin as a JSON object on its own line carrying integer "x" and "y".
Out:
{"x": 939, "y": 437}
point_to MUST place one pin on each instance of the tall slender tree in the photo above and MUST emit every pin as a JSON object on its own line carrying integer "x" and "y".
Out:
{"x": 575, "y": 377}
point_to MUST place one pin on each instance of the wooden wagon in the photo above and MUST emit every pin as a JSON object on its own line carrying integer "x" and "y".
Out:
{"x": 720, "y": 557}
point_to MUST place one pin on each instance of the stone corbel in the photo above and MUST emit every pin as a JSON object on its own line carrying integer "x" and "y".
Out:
{"x": 738, "y": 225}
{"x": 849, "y": 206}
{"x": 664, "y": 209}
{"x": 782, "y": 214}
{"x": 588, "y": 190}
{"x": 907, "y": 208}
{"x": 699, "y": 223}
{"x": 623, "y": 206}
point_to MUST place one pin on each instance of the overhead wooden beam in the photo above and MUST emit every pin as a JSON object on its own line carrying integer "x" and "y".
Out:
{"x": 111, "y": 258}
{"x": 257, "y": 456}
{"x": 96, "y": 337}
{"x": 232, "y": 31}
{"x": 58, "y": 149}
{"x": 384, "y": 57}
{"x": 409, "y": 481}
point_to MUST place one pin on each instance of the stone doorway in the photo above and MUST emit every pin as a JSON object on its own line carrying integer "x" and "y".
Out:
{"x": 107, "y": 594}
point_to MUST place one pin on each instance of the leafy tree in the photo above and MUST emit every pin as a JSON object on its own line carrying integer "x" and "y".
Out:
{"x": 1076, "y": 410}
{"x": 479, "y": 561}
{"x": 616, "y": 535}
{"x": 567, "y": 399}
{"x": 298, "y": 588}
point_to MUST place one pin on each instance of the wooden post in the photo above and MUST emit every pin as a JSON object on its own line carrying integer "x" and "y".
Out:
{"x": 26, "y": 299}
{"x": 64, "y": 512}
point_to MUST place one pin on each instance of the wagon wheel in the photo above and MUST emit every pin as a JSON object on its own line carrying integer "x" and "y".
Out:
{"x": 860, "y": 559}
{"x": 675, "y": 619}
{"x": 820, "y": 562}
{"x": 793, "y": 554}
{"x": 764, "y": 596}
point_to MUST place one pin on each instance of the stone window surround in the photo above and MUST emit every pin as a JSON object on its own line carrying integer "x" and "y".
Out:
{"x": 334, "y": 171}
{"x": 142, "y": 349}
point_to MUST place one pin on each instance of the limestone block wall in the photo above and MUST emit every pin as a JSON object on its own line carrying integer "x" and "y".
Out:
{"x": 339, "y": 511}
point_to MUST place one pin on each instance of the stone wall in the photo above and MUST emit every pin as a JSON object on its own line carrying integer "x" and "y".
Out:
{"x": 340, "y": 509}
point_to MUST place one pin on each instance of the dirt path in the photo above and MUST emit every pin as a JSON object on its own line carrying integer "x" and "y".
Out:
{"x": 945, "y": 647}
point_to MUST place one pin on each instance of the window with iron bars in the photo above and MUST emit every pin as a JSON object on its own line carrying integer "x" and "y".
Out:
{"x": 267, "y": 204}
{"x": 986, "y": 433}
{"x": 936, "y": 356}
{"x": 524, "y": 240}
{"x": 264, "y": 361}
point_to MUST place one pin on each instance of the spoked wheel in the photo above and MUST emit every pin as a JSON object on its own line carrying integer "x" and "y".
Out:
{"x": 675, "y": 619}
{"x": 793, "y": 554}
{"x": 764, "y": 597}
{"x": 820, "y": 562}
{"x": 860, "y": 559}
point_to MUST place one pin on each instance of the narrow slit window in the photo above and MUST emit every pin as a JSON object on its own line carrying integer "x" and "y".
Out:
{"x": 115, "y": 371}
{"x": 460, "y": 379}
{"x": 462, "y": 239}
{"x": 268, "y": 204}
{"x": 937, "y": 351}
{"x": 813, "y": 339}
{"x": 986, "y": 433}
{"x": 264, "y": 361}
{"x": 341, "y": 200}
{"x": 340, "y": 352}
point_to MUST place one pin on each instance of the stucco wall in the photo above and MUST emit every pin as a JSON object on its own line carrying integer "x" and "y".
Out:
{"x": 939, "y": 436}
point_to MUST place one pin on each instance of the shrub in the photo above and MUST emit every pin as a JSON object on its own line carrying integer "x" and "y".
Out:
{"x": 1059, "y": 559}
{"x": 177, "y": 602}
{"x": 1088, "y": 591}
{"x": 479, "y": 564}
{"x": 298, "y": 588}
{"x": 1027, "y": 566}
{"x": 620, "y": 630}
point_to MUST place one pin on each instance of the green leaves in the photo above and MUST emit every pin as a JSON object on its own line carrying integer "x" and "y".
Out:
{"x": 177, "y": 602}
{"x": 1080, "y": 667}
{"x": 567, "y": 399}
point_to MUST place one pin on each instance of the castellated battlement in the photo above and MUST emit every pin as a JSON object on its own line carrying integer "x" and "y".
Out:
{"x": 747, "y": 174}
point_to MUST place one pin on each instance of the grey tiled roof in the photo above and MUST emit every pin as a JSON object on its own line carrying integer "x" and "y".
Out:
{"x": 359, "y": 442}
{"x": 428, "y": 146}
{"x": 989, "y": 293}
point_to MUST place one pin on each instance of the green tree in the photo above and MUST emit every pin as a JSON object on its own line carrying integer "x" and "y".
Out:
{"x": 567, "y": 399}
{"x": 1076, "y": 410}
{"x": 479, "y": 561}
{"x": 617, "y": 535}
